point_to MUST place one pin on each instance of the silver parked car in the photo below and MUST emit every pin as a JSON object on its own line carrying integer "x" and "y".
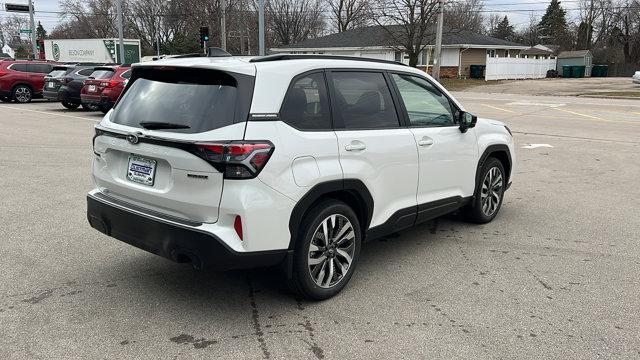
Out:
{"x": 636, "y": 77}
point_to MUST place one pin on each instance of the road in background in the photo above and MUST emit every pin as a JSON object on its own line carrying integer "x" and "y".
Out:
{"x": 554, "y": 276}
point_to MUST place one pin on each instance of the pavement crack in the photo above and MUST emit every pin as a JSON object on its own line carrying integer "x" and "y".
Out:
{"x": 313, "y": 345}
{"x": 255, "y": 316}
{"x": 544, "y": 284}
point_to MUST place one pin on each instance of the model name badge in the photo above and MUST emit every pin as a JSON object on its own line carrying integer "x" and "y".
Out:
{"x": 196, "y": 176}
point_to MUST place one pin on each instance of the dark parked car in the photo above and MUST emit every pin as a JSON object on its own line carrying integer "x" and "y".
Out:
{"x": 104, "y": 86}
{"x": 66, "y": 87}
{"x": 22, "y": 80}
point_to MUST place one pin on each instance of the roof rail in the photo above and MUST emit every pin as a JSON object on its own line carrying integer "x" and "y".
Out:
{"x": 277, "y": 57}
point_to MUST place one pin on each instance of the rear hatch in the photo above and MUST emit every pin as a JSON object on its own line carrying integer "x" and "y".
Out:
{"x": 52, "y": 80}
{"x": 98, "y": 80}
{"x": 157, "y": 148}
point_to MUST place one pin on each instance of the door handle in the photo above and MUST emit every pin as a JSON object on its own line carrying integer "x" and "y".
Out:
{"x": 355, "y": 146}
{"x": 426, "y": 141}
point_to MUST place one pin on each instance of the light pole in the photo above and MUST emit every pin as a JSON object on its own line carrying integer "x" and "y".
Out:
{"x": 158, "y": 30}
{"x": 33, "y": 29}
{"x": 120, "y": 31}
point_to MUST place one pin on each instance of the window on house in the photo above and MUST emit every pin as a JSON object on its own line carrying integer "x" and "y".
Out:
{"x": 398, "y": 56}
{"x": 491, "y": 53}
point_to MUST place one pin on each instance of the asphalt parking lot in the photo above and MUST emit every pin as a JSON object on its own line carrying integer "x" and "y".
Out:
{"x": 556, "y": 275}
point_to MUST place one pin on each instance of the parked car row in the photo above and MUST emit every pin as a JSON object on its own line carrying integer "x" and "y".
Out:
{"x": 92, "y": 86}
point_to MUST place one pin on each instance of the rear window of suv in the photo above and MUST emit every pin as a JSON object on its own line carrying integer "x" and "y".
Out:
{"x": 102, "y": 74}
{"x": 201, "y": 100}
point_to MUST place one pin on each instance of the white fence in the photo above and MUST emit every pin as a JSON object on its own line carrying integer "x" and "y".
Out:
{"x": 517, "y": 68}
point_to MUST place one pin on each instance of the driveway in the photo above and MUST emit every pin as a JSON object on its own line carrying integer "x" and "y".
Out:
{"x": 561, "y": 87}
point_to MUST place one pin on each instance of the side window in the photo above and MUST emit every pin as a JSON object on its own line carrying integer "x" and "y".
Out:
{"x": 126, "y": 74}
{"x": 39, "y": 68}
{"x": 306, "y": 106}
{"x": 85, "y": 72}
{"x": 19, "y": 67}
{"x": 425, "y": 104}
{"x": 363, "y": 101}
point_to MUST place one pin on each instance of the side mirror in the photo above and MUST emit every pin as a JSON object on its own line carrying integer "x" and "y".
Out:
{"x": 466, "y": 121}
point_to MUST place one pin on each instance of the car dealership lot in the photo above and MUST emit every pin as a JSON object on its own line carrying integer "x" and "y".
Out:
{"x": 554, "y": 275}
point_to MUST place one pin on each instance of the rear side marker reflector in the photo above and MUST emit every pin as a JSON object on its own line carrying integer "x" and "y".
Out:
{"x": 237, "y": 226}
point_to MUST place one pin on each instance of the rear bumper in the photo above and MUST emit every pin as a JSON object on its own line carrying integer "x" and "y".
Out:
{"x": 90, "y": 99}
{"x": 179, "y": 243}
{"x": 51, "y": 95}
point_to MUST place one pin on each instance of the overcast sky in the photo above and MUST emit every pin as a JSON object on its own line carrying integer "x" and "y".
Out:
{"x": 514, "y": 9}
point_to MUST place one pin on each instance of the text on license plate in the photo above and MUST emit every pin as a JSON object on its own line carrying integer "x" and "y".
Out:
{"x": 141, "y": 170}
{"x": 52, "y": 84}
{"x": 92, "y": 88}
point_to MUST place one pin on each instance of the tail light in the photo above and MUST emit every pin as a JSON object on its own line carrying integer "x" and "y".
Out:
{"x": 66, "y": 80}
{"x": 110, "y": 83}
{"x": 238, "y": 159}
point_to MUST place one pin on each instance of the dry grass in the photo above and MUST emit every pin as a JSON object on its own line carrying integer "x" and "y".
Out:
{"x": 625, "y": 93}
{"x": 464, "y": 84}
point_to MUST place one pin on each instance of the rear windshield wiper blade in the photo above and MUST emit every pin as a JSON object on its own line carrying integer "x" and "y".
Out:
{"x": 153, "y": 125}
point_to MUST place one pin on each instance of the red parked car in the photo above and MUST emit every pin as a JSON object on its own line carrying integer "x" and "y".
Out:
{"x": 22, "y": 80}
{"x": 104, "y": 86}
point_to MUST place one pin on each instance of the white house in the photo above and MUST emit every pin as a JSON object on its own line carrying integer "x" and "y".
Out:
{"x": 460, "y": 48}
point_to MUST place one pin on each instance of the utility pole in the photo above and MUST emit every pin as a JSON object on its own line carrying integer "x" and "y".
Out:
{"x": 435, "y": 72}
{"x": 261, "y": 27}
{"x": 223, "y": 25}
{"x": 120, "y": 31}
{"x": 33, "y": 30}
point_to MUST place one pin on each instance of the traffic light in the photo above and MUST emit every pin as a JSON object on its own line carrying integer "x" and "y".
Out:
{"x": 204, "y": 33}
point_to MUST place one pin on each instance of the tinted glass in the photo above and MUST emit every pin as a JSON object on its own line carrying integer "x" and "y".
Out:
{"x": 426, "y": 105}
{"x": 57, "y": 73}
{"x": 126, "y": 74}
{"x": 102, "y": 74}
{"x": 19, "y": 67}
{"x": 179, "y": 100}
{"x": 306, "y": 106}
{"x": 363, "y": 101}
{"x": 85, "y": 72}
{"x": 39, "y": 68}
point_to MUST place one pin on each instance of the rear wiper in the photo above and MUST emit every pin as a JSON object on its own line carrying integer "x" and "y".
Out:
{"x": 154, "y": 125}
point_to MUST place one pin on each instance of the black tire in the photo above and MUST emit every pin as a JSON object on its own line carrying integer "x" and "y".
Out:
{"x": 22, "y": 94}
{"x": 104, "y": 109}
{"x": 90, "y": 107}
{"x": 302, "y": 282}
{"x": 475, "y": 211}
{"x": 70, "y": 106}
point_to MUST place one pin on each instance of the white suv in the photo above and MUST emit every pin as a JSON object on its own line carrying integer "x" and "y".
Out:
{"x": 291, "y": 160}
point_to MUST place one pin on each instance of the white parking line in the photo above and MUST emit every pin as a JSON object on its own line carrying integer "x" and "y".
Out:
{"x": 497, "y": 108}
{"x": 49, "y": 113}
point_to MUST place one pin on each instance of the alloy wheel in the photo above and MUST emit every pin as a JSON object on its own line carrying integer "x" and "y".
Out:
{"x": 23, "y": 94}
{"x": 331, "y": 251}
{"x": 491, "y": 192}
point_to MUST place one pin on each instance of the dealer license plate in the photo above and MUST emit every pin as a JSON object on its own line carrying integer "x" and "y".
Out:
{"x": 92, "y": 88}
{"x": 51, "y": 85}
{"x": 141, "y": 170}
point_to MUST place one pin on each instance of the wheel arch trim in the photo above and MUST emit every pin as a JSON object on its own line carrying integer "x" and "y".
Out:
{"x": 353, "y": 186}
{"x": 490, "y": 150}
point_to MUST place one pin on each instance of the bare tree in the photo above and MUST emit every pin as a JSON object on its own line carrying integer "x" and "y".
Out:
{"x": 465, "y": 14}
{"x": 10, "y": 29}
{"x": 409, "y": 24}
{"x": 492, "y": 23}
{"x": 292, "y": 21}
{"x": 349, "y": 14}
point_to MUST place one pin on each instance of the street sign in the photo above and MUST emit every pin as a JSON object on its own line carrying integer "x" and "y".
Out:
{"x": 25, "y": 31}
{"x": 16, "y": 8}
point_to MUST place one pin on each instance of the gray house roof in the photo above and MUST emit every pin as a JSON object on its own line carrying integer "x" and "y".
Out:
{"x": 535, "y": 51}
{"x": 379, "y": 36}
{"x": 574, "y": 54}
